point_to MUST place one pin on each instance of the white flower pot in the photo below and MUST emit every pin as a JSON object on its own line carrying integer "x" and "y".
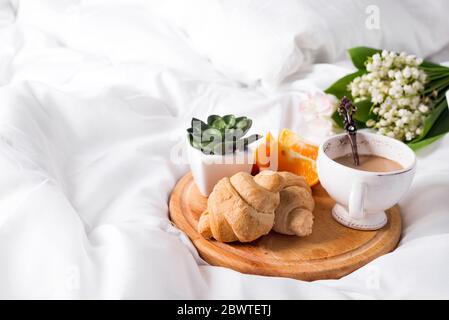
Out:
{"x": 207, "y": 170}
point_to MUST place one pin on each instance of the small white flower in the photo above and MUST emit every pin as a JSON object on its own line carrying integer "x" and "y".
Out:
{"x": 391, "y": 74}
{"x": 415, "y": 101}
{"x": 409, "y": 59}
{"x": 408, "y": 136}
{"x": 408, "y": 89}
{"x": 370, "y": 123}
{"x": 407, "y": 73}
{"x": 417, "y": 86}
{"x": 406, "y": 102}
{"x": 406, "y": 119}
{"x": 378, "y": 98}
{"x": 423, "y": 77}
{"x": 423, "y": 108}
{"x": 388, "y": 63}
{"x": 415, "y": 73}
{"x": 394, "y": 85}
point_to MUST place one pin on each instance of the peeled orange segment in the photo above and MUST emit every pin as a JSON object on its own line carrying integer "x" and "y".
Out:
{"x": 263, "y": 152}
{"x": 294, "y": 154}
{"x": 297, "y": 155}
{"x": 290, "y": 140}
{"x": 296, "y": 163}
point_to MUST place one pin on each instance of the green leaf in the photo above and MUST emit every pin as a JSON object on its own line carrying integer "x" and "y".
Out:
{"x": 359, "y": 55}
{"x": 337, "y": 119}
{"x": 432, "y": 119}
{"x": 360, "y": 124}
{"x": 428, "y": 64}
{"x": 211, "y": 135}
{"x": 207, "y": 148}
{"x": 229, "y": 120}
{"x": 198, "y": 126}
{"x": 243, "y": 124}
{"x": 196, "y": 144}
{"x": 438, "y": 130}
{"x": 221, "y": 134}
{"x": 363, "y": 113}
{"x": 339, "y": 88}
{"x": 230, "y": 134}
{"x": 194, "y": 135}
{"x": 219, "y": 124}
{"x": 415, "y": 146}
{"x": 439, "y": 85}
{"x": 212, "y": 118}
{"x": 441, "y": 126}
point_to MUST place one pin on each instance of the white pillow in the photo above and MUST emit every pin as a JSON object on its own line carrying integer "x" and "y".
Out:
{"x": 252, "y": 40}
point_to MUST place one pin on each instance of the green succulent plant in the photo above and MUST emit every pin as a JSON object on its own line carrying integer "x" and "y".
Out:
{"x": 221, "y": 135}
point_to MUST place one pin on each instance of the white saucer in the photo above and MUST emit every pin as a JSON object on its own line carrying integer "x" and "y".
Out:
{"x": 372, "y": 221}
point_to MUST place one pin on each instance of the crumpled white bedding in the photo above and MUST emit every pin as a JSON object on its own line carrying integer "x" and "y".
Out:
{"x": 92, "y": 122}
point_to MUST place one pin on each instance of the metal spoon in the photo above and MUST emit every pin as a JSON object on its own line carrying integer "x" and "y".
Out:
{"x": 346, "y": 110}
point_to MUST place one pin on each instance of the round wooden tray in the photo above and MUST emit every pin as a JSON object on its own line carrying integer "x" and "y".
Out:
{"x": 330, "y": 252}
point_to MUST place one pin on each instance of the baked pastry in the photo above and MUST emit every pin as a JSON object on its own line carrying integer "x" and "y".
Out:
{"x": 244, "y": 208}
{"x": 241, "y": 209}
{"x": 294, "y": 215}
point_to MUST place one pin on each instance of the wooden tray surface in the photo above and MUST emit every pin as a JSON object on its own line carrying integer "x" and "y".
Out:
{"x": 330, "y": 252}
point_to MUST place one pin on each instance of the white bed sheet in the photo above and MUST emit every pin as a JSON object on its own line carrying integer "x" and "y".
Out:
{"x": 89, "y": 120}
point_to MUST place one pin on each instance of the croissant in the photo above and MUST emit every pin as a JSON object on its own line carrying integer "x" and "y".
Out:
{"x": 245, "y": 208}
{"x": 294, "y": 215}
{"x": 241, "y": 209}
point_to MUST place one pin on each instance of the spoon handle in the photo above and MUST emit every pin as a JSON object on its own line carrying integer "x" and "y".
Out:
{"x": 355, "y": 154}
{"x": 346, "y": 110}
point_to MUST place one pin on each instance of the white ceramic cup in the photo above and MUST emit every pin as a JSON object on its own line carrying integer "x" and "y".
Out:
{"x": 362, "y": 197}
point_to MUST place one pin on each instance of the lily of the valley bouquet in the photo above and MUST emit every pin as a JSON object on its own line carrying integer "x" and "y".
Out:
{"x": 398, "y": 95}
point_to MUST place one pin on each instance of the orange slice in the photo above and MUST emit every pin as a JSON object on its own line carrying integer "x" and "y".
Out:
{"x": 295, "y": 154}
{"x": 298, "y": 164}
{"x": 290, "y": 140}
{"x": 263, "y": 152}
{"x": 298, "y": 156}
